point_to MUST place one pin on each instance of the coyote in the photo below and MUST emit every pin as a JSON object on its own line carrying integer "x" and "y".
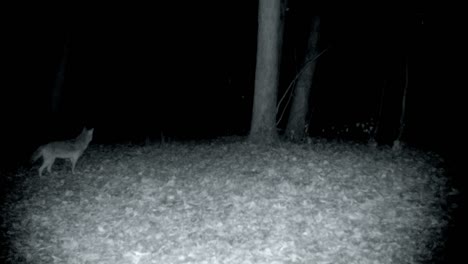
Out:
{"x": 69, "y": 149}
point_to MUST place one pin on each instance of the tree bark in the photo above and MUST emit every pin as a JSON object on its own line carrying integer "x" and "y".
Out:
{"x": 263, "y": 124}
{"x": 297, "y": 121}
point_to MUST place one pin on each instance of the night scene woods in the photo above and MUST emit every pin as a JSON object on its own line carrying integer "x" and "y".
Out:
{"x": 270, "y": 131}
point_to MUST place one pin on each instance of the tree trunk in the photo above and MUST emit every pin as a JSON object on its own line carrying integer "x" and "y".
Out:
{"x": 263, "y": 125}
{"x": 397, "y": 143}
{"x": 295, "y": 129}
{"x": 59, "y": 81}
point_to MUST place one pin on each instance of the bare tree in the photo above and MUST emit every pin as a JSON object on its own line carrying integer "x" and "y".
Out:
{"x": 295, "y": 129}
{"x": 59, "y": 80}
{"x": 263, "y": 125}
{"x": 397, "y": 144}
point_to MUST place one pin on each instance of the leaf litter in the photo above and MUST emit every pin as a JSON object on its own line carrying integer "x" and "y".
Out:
{"x": 228, "y": 201}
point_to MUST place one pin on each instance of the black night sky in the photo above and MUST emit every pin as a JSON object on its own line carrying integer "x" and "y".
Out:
{"x": 190, "y": 71}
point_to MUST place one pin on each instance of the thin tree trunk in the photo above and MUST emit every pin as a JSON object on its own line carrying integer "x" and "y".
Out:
{"x": 397, "y": 144}
{"x": 263, "y": 128}
{"x": 59, "y": 81}
{"x": 378, "y": 118}
{"x": 295, "y": 129}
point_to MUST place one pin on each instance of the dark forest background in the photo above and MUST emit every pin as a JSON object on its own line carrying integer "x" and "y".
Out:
{"x": 188, "y": 69}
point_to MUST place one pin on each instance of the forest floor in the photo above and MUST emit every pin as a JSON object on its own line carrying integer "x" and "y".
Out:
{"x": 229, "y": 201}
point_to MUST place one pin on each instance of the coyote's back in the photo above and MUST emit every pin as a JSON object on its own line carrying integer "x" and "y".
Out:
{"x": 70, "y": 149}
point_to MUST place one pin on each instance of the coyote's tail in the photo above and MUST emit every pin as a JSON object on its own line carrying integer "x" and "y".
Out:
{"x": 36, "y": 155}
